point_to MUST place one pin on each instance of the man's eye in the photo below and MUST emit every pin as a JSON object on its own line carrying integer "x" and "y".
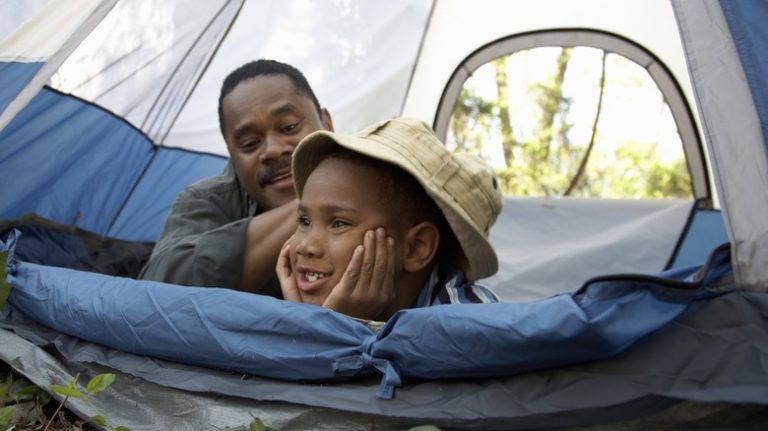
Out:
{"x": 304, "y": 221}
{"x": 289, "y": 128}
{"x": 249, "y": 144}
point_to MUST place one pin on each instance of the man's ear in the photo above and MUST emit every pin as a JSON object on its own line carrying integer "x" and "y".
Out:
{"x": 325, "y": 117}
{"x": 421, "y": 244}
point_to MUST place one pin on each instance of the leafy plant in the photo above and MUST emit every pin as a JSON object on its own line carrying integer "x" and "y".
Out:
{"x": 6, "y": 414}
{"x": 97, "y": 384}
{"x": 15, "y": 396}
{"x": 255, "y": 425}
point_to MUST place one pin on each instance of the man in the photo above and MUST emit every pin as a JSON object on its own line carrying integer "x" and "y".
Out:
{"x": 227, "y": 231}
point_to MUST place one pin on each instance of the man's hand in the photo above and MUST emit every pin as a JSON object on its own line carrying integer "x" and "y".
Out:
{"x": 266, "y": 235}
{"x": 285, "y": 274}
{"x": 367, "y": 287}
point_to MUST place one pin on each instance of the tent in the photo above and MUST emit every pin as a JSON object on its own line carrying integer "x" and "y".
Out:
{"x": 107, "y": 112}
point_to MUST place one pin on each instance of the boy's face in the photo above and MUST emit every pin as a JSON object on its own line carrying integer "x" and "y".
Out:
{"x": 339, "y": 204}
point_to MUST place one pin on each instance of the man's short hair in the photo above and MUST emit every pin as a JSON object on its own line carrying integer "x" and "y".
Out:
{"x": 260, "y": 68}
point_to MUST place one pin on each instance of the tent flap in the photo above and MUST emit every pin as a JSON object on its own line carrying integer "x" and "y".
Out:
{"x": 45, "y": 40}
{"x": 723, "y": 77}
{"x": 255, "y": 334}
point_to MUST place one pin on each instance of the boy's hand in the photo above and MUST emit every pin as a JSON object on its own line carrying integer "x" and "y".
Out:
{"x": 285, "y": 274}
{"x": 367, "y": 286}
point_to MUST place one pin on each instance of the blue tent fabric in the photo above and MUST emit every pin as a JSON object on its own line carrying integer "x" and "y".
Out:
{"x": 704, "y": 231}
{"x": 225, "y": 329}
{"x": 80, "y": 192}
{"x": 123, "y": 190}
{"x": 746, "y": 22}
{"x": 143, "y": 215}
{"x": 49, "y": 246}
{"x": 217, "y": 328}
{"x": 604, "y": 317}
{"x": 14, "y": 76}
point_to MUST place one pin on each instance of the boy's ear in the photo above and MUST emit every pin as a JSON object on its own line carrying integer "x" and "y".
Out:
{"x": 421, "y": 244}
{"x": 326, "y": 119}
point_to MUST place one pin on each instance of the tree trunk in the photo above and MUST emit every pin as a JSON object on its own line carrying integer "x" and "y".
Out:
{"x": 502, "y": 96}
{"x": 583, "y": 163}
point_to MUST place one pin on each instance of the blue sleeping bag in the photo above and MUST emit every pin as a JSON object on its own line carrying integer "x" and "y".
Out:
{"x": 254, "y": 334}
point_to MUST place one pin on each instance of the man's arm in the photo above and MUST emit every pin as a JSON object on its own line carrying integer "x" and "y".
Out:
{"x": 209, "y": 239}
{"x": 266, "y": 234}
{"x": 202, "y": 242}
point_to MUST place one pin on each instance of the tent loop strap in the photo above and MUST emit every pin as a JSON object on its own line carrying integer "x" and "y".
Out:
{"x": 352, "y": 365}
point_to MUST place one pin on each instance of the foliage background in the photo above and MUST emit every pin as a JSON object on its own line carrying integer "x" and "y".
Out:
{"x": 592, "y": 124}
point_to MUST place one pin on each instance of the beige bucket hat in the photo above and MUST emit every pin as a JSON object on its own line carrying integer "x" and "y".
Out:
{"x": 464, "y": 187}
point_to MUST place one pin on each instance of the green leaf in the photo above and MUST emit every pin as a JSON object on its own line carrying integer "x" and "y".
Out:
{"x": 6, "y": 414}
{"x": 121, "y": 428}
{"x": 67, "y": 391}
{"x": 5, "y": 287}
{"x": 25, "y": 392}
{"x": 425, "y": 428}
{"x": 36, "y": 414}
{"x": 4, "y": 390}
{"x": 42, "y": 397}
{"x": 99, "y": 420}
{"x": 257, "y": 425}
{"x": 99, "y": 383}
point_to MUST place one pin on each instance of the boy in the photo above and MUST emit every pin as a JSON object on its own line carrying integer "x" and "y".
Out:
{"x": 388, "y": 219}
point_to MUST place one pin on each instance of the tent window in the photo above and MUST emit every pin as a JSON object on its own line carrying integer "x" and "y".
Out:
{"x": 573, "y": 120}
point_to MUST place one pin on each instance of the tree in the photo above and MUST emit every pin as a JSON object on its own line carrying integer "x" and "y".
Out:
{"x": 471, "y": 122}
{"x": 540, "y": 165}
{"x": 579, "y": 175}
{"x": 548, "y": 162}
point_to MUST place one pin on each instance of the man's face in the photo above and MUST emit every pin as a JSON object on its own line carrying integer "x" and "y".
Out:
{"x": 338, "y": 206}
{"x": 264, "y": 119}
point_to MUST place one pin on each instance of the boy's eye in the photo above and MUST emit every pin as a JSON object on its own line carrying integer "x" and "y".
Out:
{"x": 338, "y": 223}
{"x": 304, "y": 221}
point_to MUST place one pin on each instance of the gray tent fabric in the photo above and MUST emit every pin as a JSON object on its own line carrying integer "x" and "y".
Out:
{"x": 647, "y": 378}
{"x": 548, "y": 245}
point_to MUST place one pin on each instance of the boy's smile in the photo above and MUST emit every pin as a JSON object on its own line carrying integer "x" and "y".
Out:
{"x": 310, "y": 280}
{"x": 339, "y": 204}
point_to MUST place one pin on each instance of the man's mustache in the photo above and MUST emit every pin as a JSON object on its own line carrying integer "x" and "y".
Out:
{"x": 270, "y": 171}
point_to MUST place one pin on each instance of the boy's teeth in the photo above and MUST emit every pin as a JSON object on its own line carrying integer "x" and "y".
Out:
{"x": 313, "y": 276}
